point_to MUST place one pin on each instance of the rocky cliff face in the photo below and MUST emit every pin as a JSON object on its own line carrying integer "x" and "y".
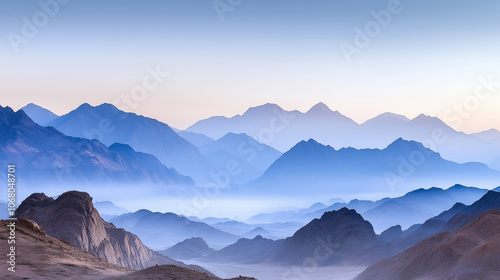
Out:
{"x": 338, "y": 237}
{"x": 43, "y": 257}
{"x": 72, "y": 218}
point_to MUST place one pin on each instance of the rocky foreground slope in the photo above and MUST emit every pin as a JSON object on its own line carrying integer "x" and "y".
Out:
{"x": 42, "y": 257}
{"x": 72, "y": 218}
{"x": 473, "y": 252}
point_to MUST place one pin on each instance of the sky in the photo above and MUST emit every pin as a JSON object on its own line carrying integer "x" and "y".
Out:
{"x": 184, "y": 60}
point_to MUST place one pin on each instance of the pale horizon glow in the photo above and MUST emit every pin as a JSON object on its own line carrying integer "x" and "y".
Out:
{"x": 427, "y": 59}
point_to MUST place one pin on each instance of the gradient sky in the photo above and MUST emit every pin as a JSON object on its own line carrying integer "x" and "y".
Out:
{"x": 428, "y": 58}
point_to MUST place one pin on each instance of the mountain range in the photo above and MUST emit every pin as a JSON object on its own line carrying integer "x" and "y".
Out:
{"x": 311, "y": 168}
{"x": 340, "y": 237}
{"x": 46, "y": 159}
{"x": 192, "y": 154}
{"x": 412, "y": 208}
{"x": 282, "y": 129}
{"x": 245, "y": 250}
{"x": 449, "y": 220}
{"x": 109, "y": 125}
{"x": 163, "y": 230}
{"x": 253, "y": 158}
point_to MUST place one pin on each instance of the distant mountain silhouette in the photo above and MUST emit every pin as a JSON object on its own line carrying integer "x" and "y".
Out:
{"x": 311, "y": 168}
{"x": 73, "y": 218}
{"x": 293, "y": 215}
{"x": 259, "y": 231}
{"x": 45, "y": 156}
{"x": 491, "y": 200}
{"x": 38, "y": 114}
{"x": 287, "y": 127}
{"x": 194, "y": 138}
{"x": 191, "y": 248}
{"x": 469, "y": 253}
{"x": 110, "y": 125}
{"x": 450, "y": 220}
{"x": 492, "y": 135}
{"x": 282, "y": 129}
{"x": 414, "y": 207}
{"x": 272, "y": 230}
{"x": 109, "y": 208}
{"x": 245, "y": 250}
{"x": 419, "y": 205}
{"x": 252, "y": 157}
{"x": 160, "y": 230}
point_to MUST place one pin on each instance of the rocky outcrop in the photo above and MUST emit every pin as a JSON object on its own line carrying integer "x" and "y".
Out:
{"x": 469, "y": 253}
{"x": 340, "y": 237}
{"x": 43, "y": 257}
{"x": 72, "y": 218}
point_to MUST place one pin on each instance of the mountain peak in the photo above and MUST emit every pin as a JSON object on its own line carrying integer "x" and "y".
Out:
{"x": 401, "y": 144}
{"x": 85, "y": 106}
{"x": 491, "y": 200}
{"x": 308, "y": 145}
{"x": 263, "y": 109}
{"x": 353, "y": 236}
{"x": 319, "y": 108}
{"x": 428, "y": 120}
{"x": 108, "y": 107}
{"x": 124, "y": 148}
{"x": 387, "y": 118}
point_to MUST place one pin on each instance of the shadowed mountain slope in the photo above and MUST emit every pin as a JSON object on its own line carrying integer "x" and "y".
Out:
{"x": 469, "y": 253}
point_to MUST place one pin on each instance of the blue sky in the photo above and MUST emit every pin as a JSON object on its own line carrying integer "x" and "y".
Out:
{"x": 426, "y": 59}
